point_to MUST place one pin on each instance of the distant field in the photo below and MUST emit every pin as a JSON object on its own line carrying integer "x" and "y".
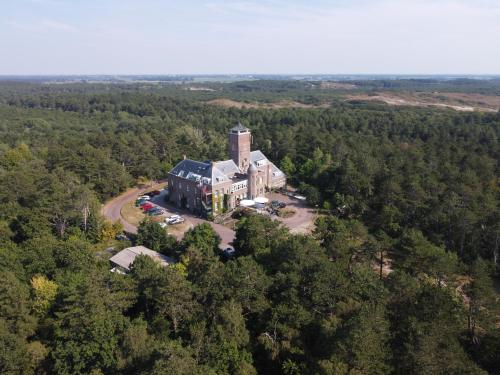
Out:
{"x": 457, "y": 101}
{"x": 229, "y": 103}
{"x": 463, "y": 102}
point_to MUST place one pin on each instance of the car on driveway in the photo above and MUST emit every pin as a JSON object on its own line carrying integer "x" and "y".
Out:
{"x": 145, "y": 197}
{"x": 139, "y": 202}
{"x": 156, "y": 211}
{"x": 174, "y": 219}
{"x": 177, "y": 221}
{"x": 153, "y": 193}
{"x": 277, "y": 204}
{"x": 228, "y": 252}
{"x": 147, "y": 207}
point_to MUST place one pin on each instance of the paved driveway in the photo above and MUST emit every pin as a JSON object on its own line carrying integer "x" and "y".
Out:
{"x": 303, "y": 219}
{"x": 226, "y": 235}
{"x": 301, "y": 222}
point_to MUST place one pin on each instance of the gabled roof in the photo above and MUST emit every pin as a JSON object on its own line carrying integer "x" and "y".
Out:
{"x": 239, "y": 128}
{"x": 217, "y": 175}
{"x": 196, "y": 171}
{"x": 227, "y": 167}
{"x": 126, "y": 257}
{"x": 257, "y": 155}
{"x": 189, "y": 169}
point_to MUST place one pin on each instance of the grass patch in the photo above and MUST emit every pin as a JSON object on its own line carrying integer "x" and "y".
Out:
{"x": 285, "y": 213}
{"x": 132, "y": 214}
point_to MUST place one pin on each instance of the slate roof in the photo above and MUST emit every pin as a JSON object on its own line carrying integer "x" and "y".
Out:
{"x": 239, "y": 128}
{"x": 257, "y": 155}
{"x": 193, "y": 167}
{"x": 126, "y": 257}
{"x": 220, "y": 171}
{"x": 228, "y": 167}
{"x": 196, "y": 170}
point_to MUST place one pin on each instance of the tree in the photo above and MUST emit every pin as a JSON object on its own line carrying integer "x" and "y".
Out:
{"x": 87, "y": 330}
{"x": 416, "y": 255}
{"x": 481, "y": 299}
{"x": 288, "y": 167}
{"x": 343, "y": 240}
{"x": 45, "y": 292}
{"x": 256, "y": 234}
{"x": 202, "y": 238}
{"x": 154, "y": 237}
{"x": 175, "y": 299}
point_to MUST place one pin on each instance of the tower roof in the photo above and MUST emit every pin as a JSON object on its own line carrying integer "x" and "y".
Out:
{"x": 239, "y": 128}
{"x": 252, "y": 169}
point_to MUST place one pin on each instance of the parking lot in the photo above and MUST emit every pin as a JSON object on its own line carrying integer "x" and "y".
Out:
{"x": 301, "y": 221}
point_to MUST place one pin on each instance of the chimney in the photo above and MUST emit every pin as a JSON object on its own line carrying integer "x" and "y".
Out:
{"x": 184, "y": 157}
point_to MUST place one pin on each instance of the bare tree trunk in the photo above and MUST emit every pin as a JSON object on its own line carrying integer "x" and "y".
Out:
{"x": 85, "y": 214}
{"x": 495, "y": 251}
{"x": 381, "y": 263}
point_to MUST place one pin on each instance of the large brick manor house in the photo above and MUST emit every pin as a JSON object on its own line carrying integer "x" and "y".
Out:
{"x": 213, "y": 187}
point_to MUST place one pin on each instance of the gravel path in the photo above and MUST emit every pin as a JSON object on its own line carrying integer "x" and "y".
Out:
{"x": 301, "y": 222}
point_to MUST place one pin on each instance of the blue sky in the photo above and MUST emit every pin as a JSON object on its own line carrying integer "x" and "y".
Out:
{"x": 270, "y": 36}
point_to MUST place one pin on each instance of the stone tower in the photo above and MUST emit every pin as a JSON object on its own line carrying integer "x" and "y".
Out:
{"x": 252, "y": 181}
{"x": 240, "y": 139}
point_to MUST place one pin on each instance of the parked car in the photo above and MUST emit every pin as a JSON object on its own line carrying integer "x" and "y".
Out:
{"x": 139, "y": 202}
{"x": 122, "y": 237}
{"x": 177, "y": 221}
{"x": 145, "y": 197}
{"x": 278, "y": 204}
{"x": 156, "y": 211}
{"x": 172, "y": 218}
{"x": 163, "y": 225}
{"x": 228, "y": 252}
{"x": 154, "y": 193}
{"x": 147, "y": 207}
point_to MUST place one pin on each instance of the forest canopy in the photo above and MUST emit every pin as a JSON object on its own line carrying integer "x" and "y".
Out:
{"x": 418, "y": 186}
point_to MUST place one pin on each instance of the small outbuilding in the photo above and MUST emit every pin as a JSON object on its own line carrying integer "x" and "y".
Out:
{"x": 122, "y": 260}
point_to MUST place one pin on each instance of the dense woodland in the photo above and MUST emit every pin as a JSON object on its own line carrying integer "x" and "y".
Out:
{"x": 416, "y": 187}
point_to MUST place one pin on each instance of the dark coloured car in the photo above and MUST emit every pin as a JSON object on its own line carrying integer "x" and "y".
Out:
{"x": 228, "y": 253}
{"x": 140, "y": 202}
{"x": 153, "y": 193}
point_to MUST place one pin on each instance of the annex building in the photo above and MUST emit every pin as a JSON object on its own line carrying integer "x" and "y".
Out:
{"x": 213, "y": 187}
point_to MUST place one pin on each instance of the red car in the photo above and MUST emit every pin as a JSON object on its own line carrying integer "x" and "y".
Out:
{"x": 147, "y": 206}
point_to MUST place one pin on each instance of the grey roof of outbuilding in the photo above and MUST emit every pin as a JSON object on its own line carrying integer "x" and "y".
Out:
{"x": 126, "y": 257}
